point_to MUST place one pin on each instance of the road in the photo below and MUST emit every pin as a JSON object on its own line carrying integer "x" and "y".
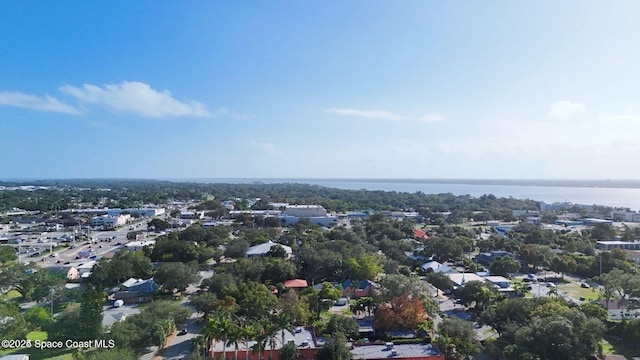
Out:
{"x": 181, "y": 345}
{"x": 105, "y": 242}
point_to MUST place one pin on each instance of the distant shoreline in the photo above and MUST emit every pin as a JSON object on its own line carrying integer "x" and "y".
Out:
{"x": 614, "y": 184}
{"x": 631, "y": 184}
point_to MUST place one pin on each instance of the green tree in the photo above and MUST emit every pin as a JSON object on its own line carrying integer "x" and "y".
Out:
{"x": 457, "y": 339}
{"x": 127, "y": 334}
{"x": 478, "y": 293}
{"x": 204, "y": 303}
{"x": 439, "y": 280}
{"x": 276, "y": 251}
{"x": 90, "y": 323}
{"x": 124, "y": 265}
{"x": 7, "y": 253}
{"x": 12, "y": 323}
{"x": 255, "y": 300}
{"x": 342, "y": 324}
{"x": 289, "y": 351}
{"x": 218, "y": 328}
{"x": 282, "y": 322}
{"x": 160, "y": 330}
{"x": 278, "y": 270}
{"x": 176, "y": 276}
{"x": 38, "y": 317}
{"x": 335, "y": 348}
{"x": 504, "y": 266}
{"x": 364, "y": 268}
{"x": 112, "y": 354}
{"x": 295, "y": 306}
{"x": 67, "y": 325}
{"x": 159, "y": 224}
{"x": 323, "y": 299}
{"x": 235, "y": 335}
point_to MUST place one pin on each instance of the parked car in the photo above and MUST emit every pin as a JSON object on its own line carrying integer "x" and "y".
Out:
{"x": 341, "y": 302}
{"x": 183, "y": 332}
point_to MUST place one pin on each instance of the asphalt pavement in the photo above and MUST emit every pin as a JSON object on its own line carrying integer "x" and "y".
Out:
{"x": 180, "y": 346}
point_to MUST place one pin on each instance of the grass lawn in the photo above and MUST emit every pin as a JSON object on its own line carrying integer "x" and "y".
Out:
{"x": 613, "y": 349}
{"x": 12, "y": 294}
{"x": 40, "y": 354}
{"x": 574, "y": 290}
{"x": 37, "y": 335}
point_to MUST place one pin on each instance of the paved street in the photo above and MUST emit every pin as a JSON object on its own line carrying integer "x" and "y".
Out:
{"x": 181, "y": 345}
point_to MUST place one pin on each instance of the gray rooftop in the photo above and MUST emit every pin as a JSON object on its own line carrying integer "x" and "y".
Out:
{"x": 302, "y": 337}
{"x": 401, "y": 351}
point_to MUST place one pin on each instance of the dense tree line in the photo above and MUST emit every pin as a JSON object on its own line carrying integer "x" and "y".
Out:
{"x": 131, "y": 193}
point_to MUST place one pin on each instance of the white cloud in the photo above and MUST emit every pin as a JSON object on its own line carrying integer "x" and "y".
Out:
{"x": 429, "y": 118}
{"x": 46, "y": 103}
{"x": 137, "y": 98}
{"x": 566, "y": 110}
{"x": 369, "y": 114}
{"x": 385, "y": 115}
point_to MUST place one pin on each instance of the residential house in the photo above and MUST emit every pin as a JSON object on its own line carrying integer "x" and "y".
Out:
{"x": 487, "y": 258}
{"x": 296, "y": 283}
{"x": 437, "y": 267}
{"x": 136, "y": 291}
{"x": 358, "y": 289}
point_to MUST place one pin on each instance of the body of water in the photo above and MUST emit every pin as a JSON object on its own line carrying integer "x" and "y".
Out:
{"x": 616, "y": 197}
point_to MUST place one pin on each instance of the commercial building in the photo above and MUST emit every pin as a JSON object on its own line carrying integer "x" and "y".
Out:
{"x": 308, "y": 211}
{"x": 315, "y": 213}
{"x": 261, "y": 250}
{"x": 625, "y": 245}
{"x": 110, "y": 221}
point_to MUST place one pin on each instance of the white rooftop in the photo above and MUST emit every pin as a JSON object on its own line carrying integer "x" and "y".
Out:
{"x": 460, "y": 279}
{"x": 264, "y": 248}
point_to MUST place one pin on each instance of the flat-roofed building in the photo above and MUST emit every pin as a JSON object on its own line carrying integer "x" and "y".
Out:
{"x": 397, "y": 351}
{"x": 305, "y": 210}
{"x": 625, "y": 245}
{"x": 459, "y": 279}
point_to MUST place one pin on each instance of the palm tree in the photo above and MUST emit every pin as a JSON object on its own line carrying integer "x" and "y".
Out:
{"x": 520, "y": 288}
{"x": 233, "y": 338}
{"x": 357, "y": 306}
{"x": 369, "y": 303}
{"x": 270, "y": 337}
{"x": 261, "y": 338}
{"x": 200, "y": 342}
{"x": 282, "y": 322}
{"x": 553, "y": 291}
{"x": 249, "y": 330}
{"x": 218, "y": 327}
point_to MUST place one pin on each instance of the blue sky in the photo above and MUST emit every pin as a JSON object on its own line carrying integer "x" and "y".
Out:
{"x": 308, "y": 89}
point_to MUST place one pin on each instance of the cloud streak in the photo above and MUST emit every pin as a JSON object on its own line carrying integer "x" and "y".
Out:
{"x": 384, "y": 115}
{"x": 46, "y": 103}
{"x": 137, "y": 98}
{"x": 566, "y": 110}
{"x": 369, "y": 114}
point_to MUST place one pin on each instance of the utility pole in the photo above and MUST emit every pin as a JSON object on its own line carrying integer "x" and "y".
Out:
{"x": 600, "y": 264}
{"x": 51, "y": 298}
